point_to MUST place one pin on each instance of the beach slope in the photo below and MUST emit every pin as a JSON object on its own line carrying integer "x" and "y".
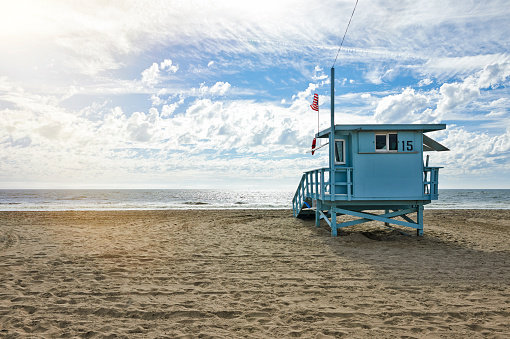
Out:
{"x": 251, "y": 273}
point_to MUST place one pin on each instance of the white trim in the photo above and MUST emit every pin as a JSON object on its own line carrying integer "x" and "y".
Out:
{"x": 387, "y": 150}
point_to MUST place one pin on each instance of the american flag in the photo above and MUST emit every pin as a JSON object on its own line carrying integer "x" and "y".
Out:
{"x": 315, "y": 105}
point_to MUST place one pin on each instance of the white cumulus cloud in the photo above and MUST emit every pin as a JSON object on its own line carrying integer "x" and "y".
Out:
{"x": 407, "y": 107}
{"x": 169, "y": 66}
{"x": 150, "y": 76}
{"x": 219, "y": 88}
{"x": 473, "y": 153}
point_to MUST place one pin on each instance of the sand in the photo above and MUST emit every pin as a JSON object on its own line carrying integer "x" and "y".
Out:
{"x": 252, "y": 273}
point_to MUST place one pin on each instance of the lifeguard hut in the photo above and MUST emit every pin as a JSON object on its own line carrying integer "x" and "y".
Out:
{"x": 372, "y": 167}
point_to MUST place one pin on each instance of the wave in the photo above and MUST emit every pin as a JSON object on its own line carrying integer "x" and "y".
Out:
{"x": 195, "y": 203}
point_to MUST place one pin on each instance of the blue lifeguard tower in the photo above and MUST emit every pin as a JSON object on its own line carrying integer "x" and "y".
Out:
{"x": 372, "y": 167}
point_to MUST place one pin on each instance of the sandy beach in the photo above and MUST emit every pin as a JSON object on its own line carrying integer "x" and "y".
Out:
{"x": 251, "y": 273}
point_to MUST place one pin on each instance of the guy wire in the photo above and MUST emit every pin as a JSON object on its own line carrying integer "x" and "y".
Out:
{"x": 345, "y": 34}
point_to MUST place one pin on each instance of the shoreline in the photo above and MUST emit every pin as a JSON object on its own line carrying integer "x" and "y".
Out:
{"x": 251, "y": 273}
{"x": 200, "y": 207}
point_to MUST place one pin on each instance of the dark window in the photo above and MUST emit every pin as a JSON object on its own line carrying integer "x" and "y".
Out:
{"x": 339, "y": 151}
{"x": 393, "y": 141}
{"x": 380, "y": 142}
{"x": 386, "y": 142}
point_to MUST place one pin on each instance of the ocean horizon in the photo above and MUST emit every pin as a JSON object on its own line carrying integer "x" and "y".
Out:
{"x": 179, "y": 199}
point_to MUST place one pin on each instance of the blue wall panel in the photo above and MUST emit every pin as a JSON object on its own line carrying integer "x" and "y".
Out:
{"x": 388, "y": 174}
{"x": 366, "y": 142}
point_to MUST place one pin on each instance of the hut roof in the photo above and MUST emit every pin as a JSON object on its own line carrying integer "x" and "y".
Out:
{"x": 383, "y": 127}
{"x": 429, "y": 144}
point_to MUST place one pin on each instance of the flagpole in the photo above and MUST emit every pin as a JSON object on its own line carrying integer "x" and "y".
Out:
{"x": 332, "y": 137}
{"x": 318, "y": 124}
{"x": 315, "y": 107}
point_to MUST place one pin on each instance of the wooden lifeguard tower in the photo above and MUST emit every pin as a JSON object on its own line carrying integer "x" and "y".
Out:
{"x": 372, "y": 167}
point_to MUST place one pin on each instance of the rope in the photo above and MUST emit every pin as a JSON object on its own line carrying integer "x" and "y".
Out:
{"x": 345, "y": 34}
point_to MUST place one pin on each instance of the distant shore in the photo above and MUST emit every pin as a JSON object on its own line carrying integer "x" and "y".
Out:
{"x": 251, "y": 273}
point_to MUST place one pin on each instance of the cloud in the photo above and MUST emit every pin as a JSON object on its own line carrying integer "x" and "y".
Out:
{"x": 75, "y": 99}
{"x": 4, "y": 84}
{"x": 168, "y": 110}
{"x": 424, "y": 82}
{"x": 205, "y": 124}
{"x": 456, "y": 95}
{"x": 432, "y": 106}
{"x": 219, "y": 88}
{"x": 239, "y": 125}
{"x": 458, "y": 66}
{"x": 459, "y": 94}
{"x": 143, "y": 127}
{"x": 493, "y": 75}
{"x": 97, "y": 36}
{"x": 379, "y": 75}
{"x": 238, "y": 138}
{"x": 319, "y": 74}
{"x": 150, "y": 76}
{"x": 156, "y": 100}
{"x": 407, "y": 107}
{"x": 170, "y": 68}
{"x": 479, "y": 154}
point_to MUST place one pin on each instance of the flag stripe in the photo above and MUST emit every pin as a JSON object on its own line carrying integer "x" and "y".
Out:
{"x": 315, "y": 105}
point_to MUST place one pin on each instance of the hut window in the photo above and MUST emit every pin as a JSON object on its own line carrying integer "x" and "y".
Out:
{"x": 392, "y": 141}
{"x": 380, "y": 142}
{"x": 340, "y": 151}
{"x": 386, "y": 142}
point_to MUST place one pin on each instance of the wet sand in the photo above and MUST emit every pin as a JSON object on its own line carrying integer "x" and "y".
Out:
{"x": 252, "y": 273}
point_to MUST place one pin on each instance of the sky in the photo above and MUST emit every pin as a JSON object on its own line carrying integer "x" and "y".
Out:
{"x": 217, "y": 94}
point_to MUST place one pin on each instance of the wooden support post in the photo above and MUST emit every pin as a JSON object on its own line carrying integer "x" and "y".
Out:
{"x": 318, "y": 210}
{"x": 332, "y": 190}
{"x": 349, "y": 184}
{"x": 325, "y": 217}
{"x": 419, "y": 221}
{"x": 323, "y": 186}
{"x": 333, "y": 223}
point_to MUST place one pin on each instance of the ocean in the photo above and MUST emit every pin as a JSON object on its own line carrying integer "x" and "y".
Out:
{"x": 140, "y": 199}
{"x": 154, "y": 199}
{"x": 472, "y": 199}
